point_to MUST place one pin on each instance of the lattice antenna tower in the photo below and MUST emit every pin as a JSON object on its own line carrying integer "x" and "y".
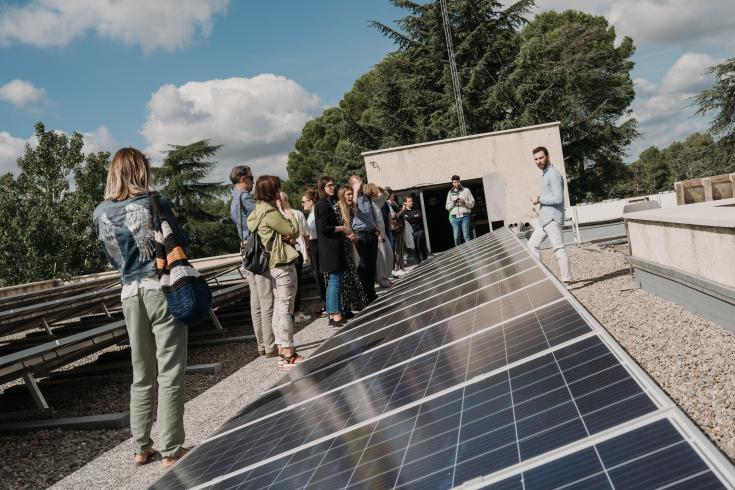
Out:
{"x": 453, "y": 68}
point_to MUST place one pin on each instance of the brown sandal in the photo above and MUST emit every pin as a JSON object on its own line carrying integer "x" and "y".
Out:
{"x": 141, "y": 459}
{"x": 169, "y": 461}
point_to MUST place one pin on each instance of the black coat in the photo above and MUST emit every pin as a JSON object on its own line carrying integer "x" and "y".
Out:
{"x": 331, "y": 250}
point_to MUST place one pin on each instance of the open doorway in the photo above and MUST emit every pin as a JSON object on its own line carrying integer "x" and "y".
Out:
{"x": 437, "y": 218}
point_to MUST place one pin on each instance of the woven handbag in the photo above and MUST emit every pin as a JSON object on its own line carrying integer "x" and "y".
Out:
{"x": 187, "y": 293}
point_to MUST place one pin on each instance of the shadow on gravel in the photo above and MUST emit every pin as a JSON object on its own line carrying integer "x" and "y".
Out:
{"x": 583, "y": 283}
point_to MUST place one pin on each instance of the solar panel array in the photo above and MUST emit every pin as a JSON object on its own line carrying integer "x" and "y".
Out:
{"x": 477, "y": 370}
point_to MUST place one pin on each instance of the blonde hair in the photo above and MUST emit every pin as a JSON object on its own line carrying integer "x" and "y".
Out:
{"x": 128, "y": 175}
{"x": 347, "y": 210}
{"x": 371, "y": 190}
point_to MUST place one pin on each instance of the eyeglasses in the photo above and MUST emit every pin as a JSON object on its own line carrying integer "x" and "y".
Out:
{"x": 329, "y": 185}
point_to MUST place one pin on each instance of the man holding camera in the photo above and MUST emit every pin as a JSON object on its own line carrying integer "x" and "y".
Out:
{"x": 459, "y": 204}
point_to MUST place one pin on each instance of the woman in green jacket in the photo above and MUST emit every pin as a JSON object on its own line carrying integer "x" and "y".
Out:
{"x": 275, "y": 232}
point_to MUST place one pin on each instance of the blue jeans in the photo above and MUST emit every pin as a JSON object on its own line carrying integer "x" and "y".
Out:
{"x": 462, "y": 224}
{"x": 391, "y": 234}
{"x": 334, "y": 292}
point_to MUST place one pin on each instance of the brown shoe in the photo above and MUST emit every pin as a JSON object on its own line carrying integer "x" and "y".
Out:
{"x": 144, "y": 458}
{"x": 169, "y": 461}
{"x": 271, "y": 354}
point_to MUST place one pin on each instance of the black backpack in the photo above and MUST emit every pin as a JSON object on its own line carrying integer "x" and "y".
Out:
{"x": 254, "y": 256}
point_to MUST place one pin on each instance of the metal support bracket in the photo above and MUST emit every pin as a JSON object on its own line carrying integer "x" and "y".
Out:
{"x": 46, "y": 326}
{"x": 215, "y": 320}
{"x": 32, "y": 386}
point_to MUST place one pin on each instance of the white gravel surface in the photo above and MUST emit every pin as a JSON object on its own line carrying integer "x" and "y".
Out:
{"x": 203, "y": 415}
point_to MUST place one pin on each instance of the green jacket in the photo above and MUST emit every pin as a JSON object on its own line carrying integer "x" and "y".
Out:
{"x": 271, "y": 225}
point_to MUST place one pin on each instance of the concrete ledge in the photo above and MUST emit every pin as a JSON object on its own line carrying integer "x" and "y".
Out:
{"x": 58, "y": 377}
{"x": 223, "y": 340}
{"x": 23, "y": 415}
{"x": 699, "y": 295}
{"x": 92, "y": 422}
{"x": 214, "y": 368}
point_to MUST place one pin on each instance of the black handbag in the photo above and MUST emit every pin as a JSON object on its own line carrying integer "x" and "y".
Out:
{"x": 254, "y": 256}
{"x": 187, "y": 293}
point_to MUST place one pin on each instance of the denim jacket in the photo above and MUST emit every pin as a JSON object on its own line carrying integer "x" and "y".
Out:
{"x": 126, "y": 233}
{"x": 240, "y": 217}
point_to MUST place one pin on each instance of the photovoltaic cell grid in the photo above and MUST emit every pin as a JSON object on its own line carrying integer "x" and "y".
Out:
{"x": 476, "y": 370}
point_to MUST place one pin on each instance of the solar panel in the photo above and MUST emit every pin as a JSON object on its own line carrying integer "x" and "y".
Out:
{"x": 479, "y": 370}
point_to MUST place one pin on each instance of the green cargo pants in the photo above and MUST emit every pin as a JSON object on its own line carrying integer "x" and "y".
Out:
{"x": 158, "y": 345}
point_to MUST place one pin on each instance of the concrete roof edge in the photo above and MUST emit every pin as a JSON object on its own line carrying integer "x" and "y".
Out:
{"x": 460, "y": 138}
{"x": 717, "y": 214}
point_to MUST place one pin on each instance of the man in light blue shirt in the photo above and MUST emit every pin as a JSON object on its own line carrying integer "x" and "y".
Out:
{"x": 242, "y": 202}
{"x": 261, "y": 292}
{"x": 550, "y": 214}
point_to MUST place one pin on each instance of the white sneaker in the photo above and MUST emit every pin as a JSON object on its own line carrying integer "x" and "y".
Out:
{"x": 301, "y": 317}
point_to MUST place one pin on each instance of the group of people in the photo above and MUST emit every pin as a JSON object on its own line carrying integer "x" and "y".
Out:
{"x": 354, "y": 237}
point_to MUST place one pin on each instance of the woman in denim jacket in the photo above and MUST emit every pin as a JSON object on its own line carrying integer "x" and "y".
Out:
{"x": 125, "y": 230}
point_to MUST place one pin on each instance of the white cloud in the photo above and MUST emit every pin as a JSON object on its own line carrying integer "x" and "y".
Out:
{"x": 688, "y": 24}
{"x": 689, "y": 74}
{"x": 21, "y": 93}
{"x": 10, "y": 149}
{"x": 665, "y": 112}
{"x": 159, "y": 24}
{"x": 99, "y": 140}
{"x": 256, "y": 119}
{"x": 644, "y": 88}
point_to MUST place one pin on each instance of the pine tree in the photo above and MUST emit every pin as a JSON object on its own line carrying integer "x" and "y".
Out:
{"x": 178, "y": 179}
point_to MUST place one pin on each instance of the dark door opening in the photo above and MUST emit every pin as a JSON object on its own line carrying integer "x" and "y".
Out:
{"x": 437, "y": 217}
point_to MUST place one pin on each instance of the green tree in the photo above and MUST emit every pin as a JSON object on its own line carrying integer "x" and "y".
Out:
{"x": 178, "y": 179}
{"x": 569, "y": 70}
{"x": 652, "y": 171}
{"x": 45, "y": 222}
{"x": 214, "y": 236}
{"x": 408, "y": 97}
{"x": 720, "y": 99}
{"x": 561, "y": 66}
{"x": 199, "y": 207}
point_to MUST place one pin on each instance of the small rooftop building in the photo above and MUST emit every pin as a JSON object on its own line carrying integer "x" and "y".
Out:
{"x": 497, "y": 167}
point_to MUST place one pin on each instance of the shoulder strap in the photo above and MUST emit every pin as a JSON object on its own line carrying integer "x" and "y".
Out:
{"x": 155, "y": 206}
{"x": 241, "y": 222}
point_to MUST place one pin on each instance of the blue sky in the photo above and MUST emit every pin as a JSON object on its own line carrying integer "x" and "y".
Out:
{"x": 250, "y": 74}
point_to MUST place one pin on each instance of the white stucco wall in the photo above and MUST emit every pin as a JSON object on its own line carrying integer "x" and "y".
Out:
{"x": 699, "y": 250}
{"x": 698, "y": 239}
{"x": 503, "y": 157}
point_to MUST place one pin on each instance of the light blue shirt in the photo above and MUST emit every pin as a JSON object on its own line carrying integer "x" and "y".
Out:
{"x": 364, "y": 219}
{"x": 241, "y": 217}
{"x": 551, "y": 197}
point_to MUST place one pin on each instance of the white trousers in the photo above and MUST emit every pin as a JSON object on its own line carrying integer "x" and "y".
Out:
{"x": 553, "y": 231}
